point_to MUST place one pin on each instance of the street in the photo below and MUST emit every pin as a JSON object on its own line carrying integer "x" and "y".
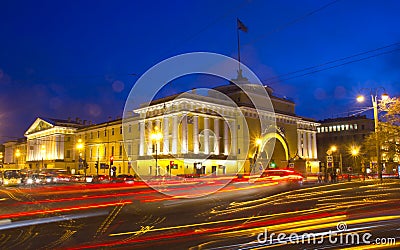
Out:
{"x": 241, "y": 215}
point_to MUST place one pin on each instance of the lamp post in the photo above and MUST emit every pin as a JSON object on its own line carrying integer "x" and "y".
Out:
{"x": 354, "y": 152}
{"x": 79, "y": 147}
{"x": 156, "y": 136}
{"x": 374, "y": 99}
{"x": 43, "y": 151}
{"x": 17, "y": 155}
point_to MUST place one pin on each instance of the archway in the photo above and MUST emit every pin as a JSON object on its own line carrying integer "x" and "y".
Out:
{"x": 277, "y": 138}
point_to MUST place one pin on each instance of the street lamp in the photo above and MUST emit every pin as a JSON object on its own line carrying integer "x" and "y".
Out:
{"x": 354, "y": 152}
{"x": 17, "y": 155}
{"x": 156, "y": 136}
{"x": 79, "y": 147}
{"x": 43, "y": 151}
{"x": 374, "y": 99}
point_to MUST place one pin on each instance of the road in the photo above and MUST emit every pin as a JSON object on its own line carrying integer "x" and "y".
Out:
{"x": 241, "y": 215}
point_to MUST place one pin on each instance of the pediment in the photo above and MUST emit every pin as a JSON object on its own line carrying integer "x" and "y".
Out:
{"x": 39, "y": 125}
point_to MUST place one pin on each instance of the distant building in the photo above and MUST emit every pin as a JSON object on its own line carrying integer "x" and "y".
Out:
{"x": 343, "y": 133}
{"x": 14, "y": 154}
{"x": 51, "y": 143}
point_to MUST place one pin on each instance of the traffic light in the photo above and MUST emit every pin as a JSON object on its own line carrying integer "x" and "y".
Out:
{"x": 111, "y": 160}
{"x": 273, "y": 164}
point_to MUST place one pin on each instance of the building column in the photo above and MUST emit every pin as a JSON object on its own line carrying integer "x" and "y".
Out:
{"x": 149, "y": 140}
{"x": 216, "y": 136}
{"x": 314, "y": 142}
{"x": 195, "y": 134}
{"x": 299, "y": 151}
{"x": 305, "y": 143}
{"x": 184, "y": 135}
{"x": 206, "y": 136}
{"x": 175, "y": 134}
{"x": 166, "y": 135}
{"x": 141, "y": 138}
{"x": 226, "y": 138}
{"x": 234, "y": 137}
{"x": 158, "y": 143}
{"x": 309, "y": 143}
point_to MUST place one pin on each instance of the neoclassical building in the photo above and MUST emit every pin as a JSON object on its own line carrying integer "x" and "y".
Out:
{"x": 218, "y": 132}
{"x": 206, "y": 134}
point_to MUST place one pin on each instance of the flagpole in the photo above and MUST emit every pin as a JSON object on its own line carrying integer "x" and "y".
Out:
{"x": 238, "y": 39}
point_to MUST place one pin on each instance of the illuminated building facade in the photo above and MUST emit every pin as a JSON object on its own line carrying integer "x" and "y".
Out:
{"x": 50, "y": 143}
{"x": 190, "y": 133}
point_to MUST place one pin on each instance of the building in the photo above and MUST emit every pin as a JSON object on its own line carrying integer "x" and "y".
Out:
{"x": 207, "y": 134}
{"x": 14, "y": 154}
{"x": 50, "y": 143}
{"x": 343, "y": 134}
{"x": 219, "y": 132}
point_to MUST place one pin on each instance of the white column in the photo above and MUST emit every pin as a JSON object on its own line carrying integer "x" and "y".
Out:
{"x": 216, "y": 136}
{"x": 175, "y": 134}
{"x": 299, "y": 153}
{"x": 166, "y": 135}
{"x": 226, "y": 138}
{"x": 141, "y": 137}
{"x": 184, "y": 135}
{"x": 234, "y": 137}
{"x": 305, "y": 143}
{"x": 309, "y": 143}
{"x": 206, "y": 136}
{"x": 149, "y": 140}
{"x": 158, "y": 143}
{"x": 195, "y": 134}
{"x": 314, "y": 142}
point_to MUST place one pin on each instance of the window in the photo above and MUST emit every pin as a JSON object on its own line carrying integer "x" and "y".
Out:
{"x": 112, "y": 131}
{"x": 120, "y": 150}
{"x": 105, "y": 132}
{"x": 347, "y": 126}
{"x": 351, "y": 126}
{"x": 342, "y": 127}
{"x": 91, "y": 135}
{"x": 330, "y": 128}
{"x": 112, "y": 150}
{"x": 129, "y": 149}
{"x": 130, "y": 128}
{"x": 105, "y": 152}
{"x": 334, "y": 128}
{"x": 318, "y": 130}
{"x": 120, "y": 130}
{"x": 362, "y": 127}
{"x": 68, "y": 154}
{"x": 355, "y": 126}
{"x": 98, "y": 134}
{"x": 91, "y": 153}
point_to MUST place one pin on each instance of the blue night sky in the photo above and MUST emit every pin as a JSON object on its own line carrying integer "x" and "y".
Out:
{"x": 63, "y": 59}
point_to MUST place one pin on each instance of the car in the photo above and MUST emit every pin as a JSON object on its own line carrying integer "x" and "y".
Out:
{"x": 101, "y": 179}
{"x": 282, "y": 175}
{"x": 125, "y": 178}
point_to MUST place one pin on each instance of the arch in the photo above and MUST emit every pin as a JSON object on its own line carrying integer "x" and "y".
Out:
{"x": 265, "y": 138}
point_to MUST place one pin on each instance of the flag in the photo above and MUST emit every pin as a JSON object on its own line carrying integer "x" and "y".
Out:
{"x": 241, "y": 26}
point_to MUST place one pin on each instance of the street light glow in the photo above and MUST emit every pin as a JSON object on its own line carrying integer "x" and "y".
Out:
{"x": 360, "y": 98}
{"x": 258, "y": 141}
{"x": 385, "y": 97}
{"x": 333, "y": 148}
{"x": 354, "y": 150}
